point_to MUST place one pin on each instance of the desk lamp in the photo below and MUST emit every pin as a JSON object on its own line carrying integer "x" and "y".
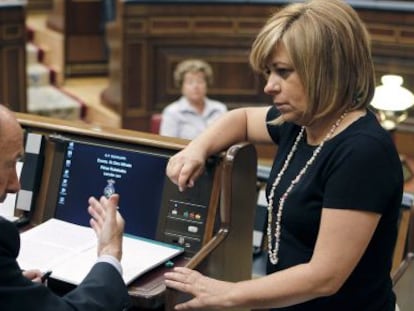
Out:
{"x": 392, "y": 101}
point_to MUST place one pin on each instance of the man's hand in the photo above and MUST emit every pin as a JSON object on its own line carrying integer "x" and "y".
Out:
{"x": 108, "y": 225}
{"x": 33, "y": 275}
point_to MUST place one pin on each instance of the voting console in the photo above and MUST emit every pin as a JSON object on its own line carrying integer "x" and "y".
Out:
{"x": 212, "y": 221}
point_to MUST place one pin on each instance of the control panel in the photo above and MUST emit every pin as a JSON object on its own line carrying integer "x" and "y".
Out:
{"x": 184, "y": 215}
{"x": 185, "y": 224}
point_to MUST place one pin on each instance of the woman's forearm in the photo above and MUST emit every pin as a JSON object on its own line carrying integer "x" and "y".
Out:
{"x": 237, "y": 125}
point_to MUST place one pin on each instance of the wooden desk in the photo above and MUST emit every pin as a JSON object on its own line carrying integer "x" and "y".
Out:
{"x": 223, "y": 248}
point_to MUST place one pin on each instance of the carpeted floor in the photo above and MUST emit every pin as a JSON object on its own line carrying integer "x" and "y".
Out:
{"x": 44, "y": 97}
{"x": 87, "y": 90}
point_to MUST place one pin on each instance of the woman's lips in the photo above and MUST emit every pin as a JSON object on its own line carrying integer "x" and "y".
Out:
{"x": 283, "y": 107}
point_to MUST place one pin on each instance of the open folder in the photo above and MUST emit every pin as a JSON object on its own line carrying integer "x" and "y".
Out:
{"x": 70, "y": 251}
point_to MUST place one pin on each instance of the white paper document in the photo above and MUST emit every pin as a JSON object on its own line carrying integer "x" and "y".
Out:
{"x": 70, "y": 251}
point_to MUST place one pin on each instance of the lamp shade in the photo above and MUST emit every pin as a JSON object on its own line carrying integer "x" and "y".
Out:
{"x": 392, "y": 101}
{"x": 391, "y": 96}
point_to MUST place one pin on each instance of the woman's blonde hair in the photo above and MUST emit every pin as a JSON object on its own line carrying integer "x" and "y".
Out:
{"x": 329, "y": 47}
{"x": 192, "y": 65}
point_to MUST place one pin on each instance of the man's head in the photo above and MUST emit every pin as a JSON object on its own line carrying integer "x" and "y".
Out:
{"x": 11, "y": 150}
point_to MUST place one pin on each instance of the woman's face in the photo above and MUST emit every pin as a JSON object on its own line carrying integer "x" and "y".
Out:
{"x": 285, "y": 87}
{"x": 194, "y": 86}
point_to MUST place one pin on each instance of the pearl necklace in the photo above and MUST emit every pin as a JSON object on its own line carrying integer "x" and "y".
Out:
{"x": 273, "y": 254}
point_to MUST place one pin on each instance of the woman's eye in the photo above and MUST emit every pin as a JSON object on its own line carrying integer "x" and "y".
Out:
{"x": 284, "y": 72}
{"x": 266, "y": 72}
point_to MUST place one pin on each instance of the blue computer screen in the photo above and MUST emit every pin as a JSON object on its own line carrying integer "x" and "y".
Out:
{"x": 96, "y": 170}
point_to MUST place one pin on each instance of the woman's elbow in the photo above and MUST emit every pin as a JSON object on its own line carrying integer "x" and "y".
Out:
{"x": 329, "y": 285}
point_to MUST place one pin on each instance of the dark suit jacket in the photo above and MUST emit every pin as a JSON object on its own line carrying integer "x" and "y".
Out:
{"x": 102, "y": 289}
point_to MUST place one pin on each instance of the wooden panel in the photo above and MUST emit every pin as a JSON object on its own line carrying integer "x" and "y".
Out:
{"x": 392, "y": 34}
{"x": 222, "y": 34}
{"x": 168, "y": 34}
{"x": 77, "y": 45}
{"x": 111, "y": 96}
{"x": 56, "y": 17}
{"x": 82, "y": 26}
{"x": 13, "y": 68}
{"x": 135, "y": 72}
{"x": 83, "y": 17}
{"x": 39, "y": 5}
{"x": 13, "y": 58}
{"x": 405, "y": 142}
{"x": 242, "y": 88}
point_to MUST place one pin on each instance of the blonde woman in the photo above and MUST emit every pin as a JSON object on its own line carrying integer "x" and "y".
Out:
{"x": 335, "y": 188}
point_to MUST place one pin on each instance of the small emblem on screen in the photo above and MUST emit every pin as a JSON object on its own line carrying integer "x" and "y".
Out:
{"x": 109, "y": 188}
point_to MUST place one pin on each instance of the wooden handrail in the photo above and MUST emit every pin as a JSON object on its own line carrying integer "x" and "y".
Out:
{"x": 226, "y": 206}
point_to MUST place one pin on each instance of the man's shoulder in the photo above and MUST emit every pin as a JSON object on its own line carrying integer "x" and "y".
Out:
{"x": 9, "y": 238}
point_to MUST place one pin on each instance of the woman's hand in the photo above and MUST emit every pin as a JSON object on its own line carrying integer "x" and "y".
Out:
{"x": 208, "y": 293}
{"x": 185, "y": 167}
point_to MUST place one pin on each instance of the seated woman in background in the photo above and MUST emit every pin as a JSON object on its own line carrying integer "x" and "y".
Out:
{"x": 193, "y": 111}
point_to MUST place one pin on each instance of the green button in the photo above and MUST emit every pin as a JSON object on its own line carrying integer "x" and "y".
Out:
{"x": 169, "y": 264}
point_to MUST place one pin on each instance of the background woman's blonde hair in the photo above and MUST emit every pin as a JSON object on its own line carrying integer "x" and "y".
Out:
{"x": 329, "y": 48}
{"x": 192, "y": 65}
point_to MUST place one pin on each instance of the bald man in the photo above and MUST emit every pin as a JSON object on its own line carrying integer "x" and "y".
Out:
{"x": 102, "y": 289}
